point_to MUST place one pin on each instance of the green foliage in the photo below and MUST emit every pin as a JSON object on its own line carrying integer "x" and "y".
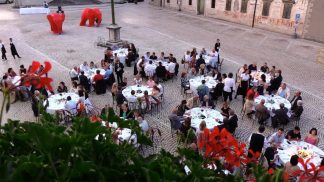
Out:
{"x": 45, "y": 151}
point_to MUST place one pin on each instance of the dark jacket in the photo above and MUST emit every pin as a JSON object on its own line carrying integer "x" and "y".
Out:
{"x": 280, "y": 117}
{"x": 294, "y": 101}
{"x": 119, "y": 68}
{"x": 231, "y": 123}
{"x": 160, "y": 71}
{"x": 13, "y": 49}
{"x": 298, "y": 111}
{"x": 256, "y": 143}
{"x": 3, "y": 49}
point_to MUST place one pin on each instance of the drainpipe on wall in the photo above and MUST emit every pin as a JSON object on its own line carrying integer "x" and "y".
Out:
{"x": 255, "y": 6}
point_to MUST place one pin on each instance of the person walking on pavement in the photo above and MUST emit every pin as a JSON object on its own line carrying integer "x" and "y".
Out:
{"x": 3, "y": 51}
{"x": 13, "y": 49}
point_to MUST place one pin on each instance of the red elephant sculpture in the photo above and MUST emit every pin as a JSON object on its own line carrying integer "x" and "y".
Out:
{"x": 93, "y": 15}
{"x": 56, "y": 21}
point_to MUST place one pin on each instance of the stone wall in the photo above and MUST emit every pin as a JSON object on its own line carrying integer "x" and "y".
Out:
{"x": 24, "y": 3}
{"x": 314, "y": 24}
{"x": 273, "y": 22}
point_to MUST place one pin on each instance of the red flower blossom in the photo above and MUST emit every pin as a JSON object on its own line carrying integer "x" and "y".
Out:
{"x": 38, "y": 80}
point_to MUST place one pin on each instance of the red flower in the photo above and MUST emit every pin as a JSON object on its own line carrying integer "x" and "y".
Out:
{"x": 270, "y": 171}
{"x": 38, "y": 80}
{"x": 308, "y": 174}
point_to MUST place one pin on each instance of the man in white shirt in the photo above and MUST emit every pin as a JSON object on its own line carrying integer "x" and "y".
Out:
{"x": 71, "y": 105}
{"x": 229, "y": 86}
{"x": 132, "y": 98}
{"x": 283, "y": 91}
{"x": 147, "y": 56}
{"x": 143, "y": 124}
{"x": 74, "y": 74}
{"x": 84, "y": 67}
{"x": 171, "y": 67}
{"x": 149, "y": 69}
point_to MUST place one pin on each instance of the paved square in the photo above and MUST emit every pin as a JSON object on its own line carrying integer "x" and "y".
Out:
{"x": 154, "y": 29}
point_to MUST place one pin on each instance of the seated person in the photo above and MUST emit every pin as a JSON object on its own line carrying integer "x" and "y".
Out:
{"x": 133, "y": 97}
{"x": 126, "y": 113}
{"x": 184, "y": 81}
{"x": 182, "y": 108}
{"x": 264, "y": 68}
{"x": 271, "y": 155}
{"x": 97, "y": 77}
{"x": 150, "y": 82}
{"x": 71, "y": 105}
{"x": 175, "y": 119}
{"x": 291, "y": 167}
{"x": 138, "y": 80}
{"x": 75, "y": 87}
{"x": 294, "y": 134}
{"x": 84, "y": 81}
{"x": 312, "y": 138}
{"x": 207, "y": 102}
{"x": 298, "y": 110}
{"x": 280, "y": 116}
{"x": 277, "y": 138}
{"x": 62, "y": 88}
{"x": 160, "y": 71}
{"x": 186, "y": 127}
{"x": 92, "y": 65}
{"x": 149, "y": 69}
{"x": 225, "y": 109}
{"x": 84, "y": 67}
{"x": 261, "y": 112}
{"x": 283, "y": 91}
{"x": 143, "y": 124}
{"x": 153, "y": 56}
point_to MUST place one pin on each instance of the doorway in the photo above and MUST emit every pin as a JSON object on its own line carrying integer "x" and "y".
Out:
{"x": 201, "y": 7}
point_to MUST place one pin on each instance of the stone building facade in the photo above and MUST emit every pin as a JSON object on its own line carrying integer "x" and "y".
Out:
{"x": 275, "y": 15}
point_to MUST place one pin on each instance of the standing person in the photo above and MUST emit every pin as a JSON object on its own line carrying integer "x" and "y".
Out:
{"x": 119, "y": 70}
{"x": 35, "y": 103}
{"x": 13, "y": 49}
{"x": 3, "y": 51}
{"x": 257, "y": 141}
{"x": 229, "y": 84}
{"x": 217, "y": 45}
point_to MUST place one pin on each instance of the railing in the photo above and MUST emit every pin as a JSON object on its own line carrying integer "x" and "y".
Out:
{"x": 320, "y": 57}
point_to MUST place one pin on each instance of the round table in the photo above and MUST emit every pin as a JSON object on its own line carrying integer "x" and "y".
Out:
{"x": 57, "y": 102}
{"x": 139, "y": 91}
{"x": 196, "y": 81}
{"x": 302, "y": 149}
{"x": 210, "y": 116}
{"x": 273, "y": 102}
{"x": 121, "y": 54}
{"x": 256, "y": 75}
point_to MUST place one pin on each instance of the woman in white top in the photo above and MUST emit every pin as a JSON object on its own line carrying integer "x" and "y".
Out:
{"x": 74, "y": 88}
{"x": 229, "y": 85}
{"x": 138, "y": 80}
{"x": 283, "y": 91}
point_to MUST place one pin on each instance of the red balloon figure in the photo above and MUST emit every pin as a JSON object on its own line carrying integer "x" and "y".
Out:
{"x": 93, "y": 15}
{"x": 56, "y": 21}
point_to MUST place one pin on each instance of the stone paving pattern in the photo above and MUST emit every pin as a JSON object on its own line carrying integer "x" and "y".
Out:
{"x": 153, "y": 29}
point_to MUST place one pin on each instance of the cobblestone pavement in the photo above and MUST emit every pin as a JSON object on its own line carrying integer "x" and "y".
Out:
{"x": 154, "y": 29}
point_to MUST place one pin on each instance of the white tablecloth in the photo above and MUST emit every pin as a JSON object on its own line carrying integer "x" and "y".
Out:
{"x": 57, "y": 102}
{"x": 256, "y": 75}
{"x": 310, "y": 150}
{"x": 121, "y": 54}
{"x": 92, "y": 72}
{"x": 16, "y": 80}
{"x": 34, "y": 10}
{"x": 156, "y": 64}
{"x": 196, "y": 81}
{"x": 273, "y": 102}
{"x": 210, "y": 116}
{"x": 139, "y": 91}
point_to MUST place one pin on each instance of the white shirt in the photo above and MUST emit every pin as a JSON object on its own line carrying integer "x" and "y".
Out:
{"x": 138, "y": 64}
{"x": 149, "y": 68}
{"x": 213, "y": 62}
{"x": 88, "y": 105}
{"x": 285, "y": 92}
{"x": 171, "y": 67}
{"x": 71, "y": 106}
{"x": 132, "y": 98}
{"x": 84, "y": 68}
{"x": 144, "y": 125}
{"x": 213, "y": 54}
{"x": 228, "y": 83}
{"x": 146, "y": 57}
{"x": 187, "y": 58}
{"x": 138, "y": 82}
{"x": 245, "y": 77}
{"x": 73, "y": 73}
